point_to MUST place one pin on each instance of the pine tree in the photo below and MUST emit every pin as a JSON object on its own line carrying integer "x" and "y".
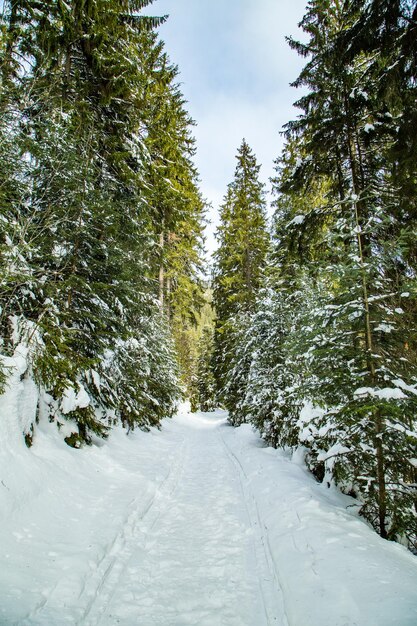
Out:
{"x": 239, "y": 260}
{"x": 176, "y": 205}
{"x": 356, "y": 335}
{"x": 270, "y": 401}
{"x": 82, "y": 290}
{"x": 199, "y": 373}
{"x": 205, "y": 383}
{"x": 326, "y": 357}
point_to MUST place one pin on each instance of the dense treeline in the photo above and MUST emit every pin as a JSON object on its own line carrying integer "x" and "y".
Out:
{"x": 325, "y": 355}
{"x": 100, "y": 212}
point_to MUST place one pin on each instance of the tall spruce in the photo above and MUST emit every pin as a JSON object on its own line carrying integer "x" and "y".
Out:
{"x": 239, "y": 262}
{"x": 344, "y": 260}
{"x": 358, "y": 334}
{"x": 176, "y": 206}
{"x": 326, "y": 357}
{"x": 78, "y": 85}
{"x": 205, "y": 383}
{"x": 200, "y": 370}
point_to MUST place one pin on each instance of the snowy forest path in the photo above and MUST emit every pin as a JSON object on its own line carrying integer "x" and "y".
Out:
{"x": 195, "y": 524}
{"x": 199, "y": 557}
{"x": 102, "y": 584}
{"x": 273, "y": 597}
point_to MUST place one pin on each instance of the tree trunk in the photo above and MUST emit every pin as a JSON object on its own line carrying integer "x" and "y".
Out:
{"x": 356, "y": 170}
{"x": 161, "y": 270}
{"x": 168, "y": 298}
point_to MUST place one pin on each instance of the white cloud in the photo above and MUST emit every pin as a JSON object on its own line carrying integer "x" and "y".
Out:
{"x": 220, "y": 131}
{"x": 236, "y": 68}
{"x": 266, "y": 24}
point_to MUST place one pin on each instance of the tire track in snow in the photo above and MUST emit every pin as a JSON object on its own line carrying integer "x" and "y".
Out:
{"x": 269, "y": 581}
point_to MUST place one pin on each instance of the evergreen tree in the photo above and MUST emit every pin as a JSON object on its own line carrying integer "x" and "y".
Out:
{"x": 365, "y": 282}
{"x": 200, "y": 358}
{"x": 82, "y": 228}
{"x": 326, "y": 357}
{"x": 239, "y": 261}
{"x": 270, "y": 401}
{"x": 205, "y": 383}
{"x": 177, "y": 208}
{"x": 344, "y": 248}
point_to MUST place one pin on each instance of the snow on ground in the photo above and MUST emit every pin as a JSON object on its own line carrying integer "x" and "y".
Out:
{"x": 332, "y": 568}
{"x": 198, "y": 524}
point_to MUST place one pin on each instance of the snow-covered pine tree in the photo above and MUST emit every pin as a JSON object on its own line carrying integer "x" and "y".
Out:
{"x": 205, "y": 383}
{"x": 239, "y": 263}
{"x": 270, "y": 402}
{"x": 15, "y": 246}
{"x": 176, "y": 205}
{"x": 357, "y": 339}
{"x": 87, "y": 296}
{"x": 199, "y": 372}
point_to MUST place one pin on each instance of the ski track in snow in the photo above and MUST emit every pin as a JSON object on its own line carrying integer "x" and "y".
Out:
{"x": 101, "y": 587}
{"x": 196, "y": 525}
{"x": 268, "y": 574}
{"x": 196, "y": 559}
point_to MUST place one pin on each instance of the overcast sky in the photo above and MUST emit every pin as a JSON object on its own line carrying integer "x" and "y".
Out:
{"x": 235, "y": 68}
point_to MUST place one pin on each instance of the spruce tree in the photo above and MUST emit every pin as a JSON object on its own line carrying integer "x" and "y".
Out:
{"x": 176, "y": 206}
{"x": 83, "y": 290}
{"x": 356, "y": 334}
{"x": 205, "y": 383}
{"x": 239, "y": 262}
{"x": 326, "y": 358}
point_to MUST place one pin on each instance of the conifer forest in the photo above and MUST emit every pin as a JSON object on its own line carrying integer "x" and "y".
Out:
{"x": 300, "y": 331}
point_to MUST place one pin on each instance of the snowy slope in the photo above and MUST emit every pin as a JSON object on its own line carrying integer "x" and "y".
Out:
{"x": 332, "y": 568}
{"x": 197, "y": 524}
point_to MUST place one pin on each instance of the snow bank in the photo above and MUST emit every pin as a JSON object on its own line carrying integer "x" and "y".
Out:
{"x": 73, "y": 400}
{"x": 333, "y": 569}
{"x": 65, "y": 513}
